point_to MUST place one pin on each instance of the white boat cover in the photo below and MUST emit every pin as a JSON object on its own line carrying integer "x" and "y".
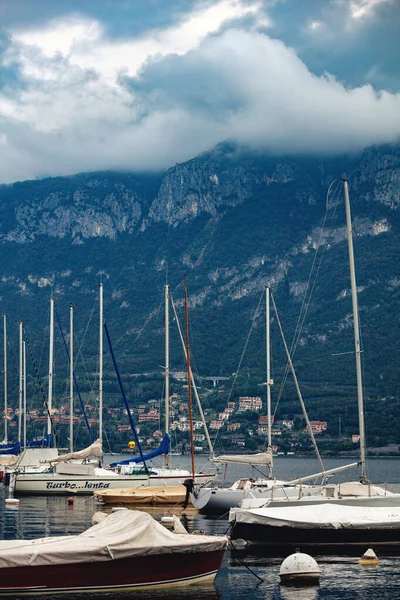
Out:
{"x": 321, "y": 516}
{"x": 96, "y": 449}
{"x": 123, "y": 534}
{"x": 262, "y": 458}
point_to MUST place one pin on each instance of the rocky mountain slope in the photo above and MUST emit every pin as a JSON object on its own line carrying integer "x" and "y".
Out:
{"x": 234, "y": 221}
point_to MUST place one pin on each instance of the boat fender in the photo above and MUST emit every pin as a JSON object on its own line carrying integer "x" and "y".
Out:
{"x": 299, "y": 569}
{"x": 369, "y": 559}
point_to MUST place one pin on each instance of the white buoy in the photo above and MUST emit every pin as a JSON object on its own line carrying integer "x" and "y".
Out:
{"x": 299, "y": 569}
{"x": 369, "y": 559}
{"x": 12, "y": 502}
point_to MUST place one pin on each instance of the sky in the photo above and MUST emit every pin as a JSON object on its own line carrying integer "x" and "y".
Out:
{"x": 139, "y": 85}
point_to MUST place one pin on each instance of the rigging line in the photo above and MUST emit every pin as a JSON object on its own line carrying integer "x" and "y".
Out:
{"x": 41, "y": 388}
{"x": 254, "y": 319}
{"x": 311, "y": 434}
{"x": 309, "y": 289}
{"x": 80, "y": 354}
{"x": 75, "y": 380}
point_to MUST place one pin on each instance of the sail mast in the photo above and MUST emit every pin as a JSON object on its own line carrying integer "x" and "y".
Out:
{"x": 51, "y": 352}
{"x": 166, "y": 365}
{"x": 268, "y": 358}
{"x": 24, "y": 387}
{"x": 20, "y": 385}
{"x": 188, "y": 375}
{"x": 101, "y": 363}
{"x": 71, "y": 378}
{"x": 356, "y": 332}
{"x": 5, "y": 380}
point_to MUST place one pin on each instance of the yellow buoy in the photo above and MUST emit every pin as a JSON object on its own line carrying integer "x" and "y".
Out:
{"x": 369, "y": 559}
{"x": 131, "y": 445}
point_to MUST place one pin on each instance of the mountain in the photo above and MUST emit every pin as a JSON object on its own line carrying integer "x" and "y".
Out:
{"x": 233, "y": 221}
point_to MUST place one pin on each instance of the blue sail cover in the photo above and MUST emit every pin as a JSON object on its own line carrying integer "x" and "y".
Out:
{"x": 12, "y": 448}
{"x": 16, "y": 447}
{"x": 162, "y": 449}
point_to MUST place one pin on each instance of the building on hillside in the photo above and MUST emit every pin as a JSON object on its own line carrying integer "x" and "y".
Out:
{"x": 216, "y": 424}
{"x": 250, "y": 403}
{"x": 124, "y": 428}
{"x": 263, "y": 420}
{"x": 232, "y": 406}
{"x": 152, "y": 416}
{"x": 318, "y": 426}
{"x": 233, "y": 426}
{"x": 224, "y": 416}
{"x": 355, "y": 438}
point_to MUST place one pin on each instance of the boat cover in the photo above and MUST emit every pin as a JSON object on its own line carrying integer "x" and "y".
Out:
{"x": 262, "y": 458}
{"x": 321, "y": 516}
{"x": 123, "y": 534}
{"x": 95, "y": 449}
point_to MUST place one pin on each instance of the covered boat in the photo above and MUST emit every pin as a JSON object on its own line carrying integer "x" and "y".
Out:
{"x": 352, "y": 522}
{"x": 151, "y": 495}
{"x": 128, "y": 550}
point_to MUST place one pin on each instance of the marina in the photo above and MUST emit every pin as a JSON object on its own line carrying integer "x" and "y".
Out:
{"x": 341, "y": 576}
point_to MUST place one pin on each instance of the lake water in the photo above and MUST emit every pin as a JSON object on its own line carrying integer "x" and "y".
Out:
{"x": 341, "y": 578}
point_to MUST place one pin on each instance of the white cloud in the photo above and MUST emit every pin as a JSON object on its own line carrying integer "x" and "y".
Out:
{"x": 73, "y": 110}
{"x": 359, "y": 9}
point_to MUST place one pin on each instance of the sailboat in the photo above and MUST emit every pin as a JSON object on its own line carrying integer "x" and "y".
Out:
{"x": 165, "y": 483}
{"x": 350, "y": 514}
{"x": 74, "y": 472}
{"x": 166, "y": 475}
{"x": 218, "y": 500}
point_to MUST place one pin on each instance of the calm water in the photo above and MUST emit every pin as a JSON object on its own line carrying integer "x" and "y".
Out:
{"x": 341, "y": 578}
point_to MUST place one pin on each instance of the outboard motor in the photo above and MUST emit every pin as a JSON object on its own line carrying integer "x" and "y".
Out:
{"x": 189, "y": 485}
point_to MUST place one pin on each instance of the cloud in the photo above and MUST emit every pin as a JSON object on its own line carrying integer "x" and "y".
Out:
{"x": 80, "y": 101}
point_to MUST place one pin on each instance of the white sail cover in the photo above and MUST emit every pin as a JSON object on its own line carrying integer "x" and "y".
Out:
{"x": 96, "y": 449}
{"x": 123, "y": 534}
{"x": 262, "y": 458}
{"x": 321, "y": 516}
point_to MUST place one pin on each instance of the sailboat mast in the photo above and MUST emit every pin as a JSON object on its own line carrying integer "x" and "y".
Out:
{"x": 24, "y": 387}
{"x": 188, "y": 375}
{"x": 20, "y": 386}
{"x": 268, "y": 358}
{"x": 166, "y": 365}
{"x": 71, "y": 378}
{"x": 356, "y": 332}
{"x": 101, "y": 362}
{"x": 5, "y": 380}
{"x": 51, "y": 360}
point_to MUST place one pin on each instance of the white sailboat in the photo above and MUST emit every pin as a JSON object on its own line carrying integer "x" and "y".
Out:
{"x": 218, "y": 500}
{"x": 349, "y": 514}
{"x": 74, "y": 472}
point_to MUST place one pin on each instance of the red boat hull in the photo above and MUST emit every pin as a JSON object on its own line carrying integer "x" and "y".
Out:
{"x": 114, "y": 575}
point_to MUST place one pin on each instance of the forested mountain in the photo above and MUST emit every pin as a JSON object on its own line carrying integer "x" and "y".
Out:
{"x": 233, "y": 221}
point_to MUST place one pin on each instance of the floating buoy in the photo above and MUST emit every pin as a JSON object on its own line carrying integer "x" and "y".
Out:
{"x": 299, "y": 569}
{"x": 131, "y": 445}
{"x": 70, "y": 500}
{"x": 12, "y": 502}
{"x": 239, "y": 544}
{"x": 168, "y": 522}
{"x": 369, "y": 559}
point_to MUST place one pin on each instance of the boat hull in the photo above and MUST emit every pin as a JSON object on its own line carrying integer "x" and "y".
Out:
{"x": 128, "y": 574}
{"x": 57, "y": 484}
{"x": 289, "y": 538}
{"x": 145, "y": 496}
